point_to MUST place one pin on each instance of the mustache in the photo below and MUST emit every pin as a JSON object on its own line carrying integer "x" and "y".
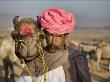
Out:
{"x": 52, "y": 48}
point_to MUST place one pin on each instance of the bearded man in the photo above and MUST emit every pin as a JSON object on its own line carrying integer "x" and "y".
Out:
{"x": 65, "y": 62}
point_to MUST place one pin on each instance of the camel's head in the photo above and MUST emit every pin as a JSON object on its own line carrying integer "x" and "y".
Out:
{"x": 28, "y": 38}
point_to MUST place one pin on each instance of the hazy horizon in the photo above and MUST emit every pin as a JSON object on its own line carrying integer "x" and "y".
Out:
{"x": 88, "y": 13}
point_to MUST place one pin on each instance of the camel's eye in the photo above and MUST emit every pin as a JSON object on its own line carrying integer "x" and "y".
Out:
{"x": 21, "y": 40}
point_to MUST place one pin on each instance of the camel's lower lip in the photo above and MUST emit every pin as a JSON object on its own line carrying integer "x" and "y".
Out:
{"x": 29, "y": 57}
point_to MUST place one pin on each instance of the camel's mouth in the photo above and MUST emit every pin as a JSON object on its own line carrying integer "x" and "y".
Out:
{"x": 29, "y": 58}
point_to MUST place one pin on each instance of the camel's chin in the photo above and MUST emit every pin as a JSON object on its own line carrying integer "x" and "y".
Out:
{"x": 29, "y": 58}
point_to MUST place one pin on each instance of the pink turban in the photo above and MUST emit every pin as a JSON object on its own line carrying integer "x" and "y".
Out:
{"x": 58, "y": 21}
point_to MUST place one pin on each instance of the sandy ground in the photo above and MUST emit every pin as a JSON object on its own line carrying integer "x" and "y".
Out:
{"x": 99, "y": 76}
{"x": 87, "y": 35}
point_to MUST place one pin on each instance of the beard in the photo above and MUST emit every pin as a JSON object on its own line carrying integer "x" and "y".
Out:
{"x": 53, "y": 48}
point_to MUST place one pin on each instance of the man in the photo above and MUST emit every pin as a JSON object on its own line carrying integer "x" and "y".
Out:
{"x": 65, "y": 62}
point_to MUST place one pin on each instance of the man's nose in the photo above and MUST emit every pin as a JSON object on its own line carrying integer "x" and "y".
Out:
{"x": 53, "y": 40}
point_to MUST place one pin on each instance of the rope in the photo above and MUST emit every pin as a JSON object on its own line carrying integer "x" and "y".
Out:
{"x": 45, "y": 68}
{"x": 33, "y": 79}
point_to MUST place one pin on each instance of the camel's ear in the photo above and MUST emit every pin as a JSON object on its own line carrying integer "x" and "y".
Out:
{"x": 16, "y": 23}
{"x": 15, "y": 32}
{"x": 14, "y": 35}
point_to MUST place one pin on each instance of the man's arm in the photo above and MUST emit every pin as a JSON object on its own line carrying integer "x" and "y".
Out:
{"x": 82, "y": 68}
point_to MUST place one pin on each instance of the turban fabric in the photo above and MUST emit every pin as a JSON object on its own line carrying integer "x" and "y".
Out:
{"x": 58, "y": 21}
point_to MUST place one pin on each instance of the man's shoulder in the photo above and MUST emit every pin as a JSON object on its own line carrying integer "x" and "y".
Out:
{"x": 74, "y": 51}
{"x": 74, "y": 45}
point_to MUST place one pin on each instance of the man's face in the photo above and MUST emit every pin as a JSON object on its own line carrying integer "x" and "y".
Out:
{"x": 55, "y": 42}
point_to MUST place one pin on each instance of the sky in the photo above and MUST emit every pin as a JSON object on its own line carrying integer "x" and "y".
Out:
{"x": 88, "y": 13}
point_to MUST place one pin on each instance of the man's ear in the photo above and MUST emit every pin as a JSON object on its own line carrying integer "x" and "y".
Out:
{"x": 66, "y": 35}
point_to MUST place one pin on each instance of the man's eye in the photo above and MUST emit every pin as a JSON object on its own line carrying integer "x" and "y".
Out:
{"x": 59, "y": 36}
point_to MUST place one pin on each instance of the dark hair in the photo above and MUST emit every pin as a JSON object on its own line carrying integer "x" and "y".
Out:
{"x": 38, "y": 22}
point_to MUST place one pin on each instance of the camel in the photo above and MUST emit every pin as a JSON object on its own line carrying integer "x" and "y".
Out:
{"x": 17, "y": 47}
{"x": 28, "y": 39}
{"x": 103, "y": 51}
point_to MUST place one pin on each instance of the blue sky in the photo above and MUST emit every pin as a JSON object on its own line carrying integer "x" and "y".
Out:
{"x": 88, "y": 13}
